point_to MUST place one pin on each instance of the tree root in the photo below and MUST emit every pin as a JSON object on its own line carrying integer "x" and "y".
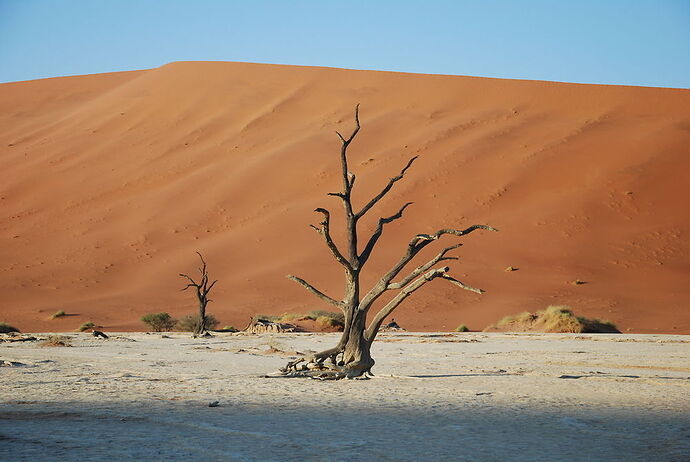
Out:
{"x": 315, "y": 369}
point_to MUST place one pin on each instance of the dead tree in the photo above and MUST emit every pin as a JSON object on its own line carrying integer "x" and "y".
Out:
{"x": 202, "y": 290}
{"x": 351, "y": 357}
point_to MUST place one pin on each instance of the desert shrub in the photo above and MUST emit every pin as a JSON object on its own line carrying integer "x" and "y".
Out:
{"x": 329, "y": 321}
{"x": 6, "y": 328}
{"x": 86, "y": 326}
{"x": 58, "y": 314}
{"x": 462, "y": 328}
{"x": 290, "y": 317}
{"x": 159, "y": 322}
{"x": 555, "y": 318}
{"x": 228, "y": 329}
{"x": 57, "y": 341}
{"x": 191, "y": 321}
{"x": 559, "y": 319}
{"x": 336, "y": 316}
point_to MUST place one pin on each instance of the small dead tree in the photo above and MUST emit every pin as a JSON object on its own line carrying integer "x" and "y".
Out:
{"x": 202, "y": 290}
{"x": 351, "y": 357}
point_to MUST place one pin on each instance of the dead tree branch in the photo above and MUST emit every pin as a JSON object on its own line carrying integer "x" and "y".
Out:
{"x": 315, "y": 291}
{"x": 385, "y": 190}
{"x": 375, "y": 325}
{"x": 325, "y": 231}
{"x": 366, "y": 253}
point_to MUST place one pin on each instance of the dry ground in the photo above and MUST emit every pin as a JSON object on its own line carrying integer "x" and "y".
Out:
{"x": 473, "y": 397}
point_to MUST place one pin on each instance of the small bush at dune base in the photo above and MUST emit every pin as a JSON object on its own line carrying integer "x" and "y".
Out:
{"x": 191, "y": 321}
{"x": 86, "y": 326}
{"x": 462, "y": 328}
{"x": 58, "y": 314}
{"x": 553, "y": 319}
{"x": 328, "y": 319}
{"x": 159, "y": 322}
{"x": 6, "y": 328}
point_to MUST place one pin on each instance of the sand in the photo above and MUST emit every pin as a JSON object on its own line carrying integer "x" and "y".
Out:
{"x": 109, "y": 183}
{"x": 473, "y": 397}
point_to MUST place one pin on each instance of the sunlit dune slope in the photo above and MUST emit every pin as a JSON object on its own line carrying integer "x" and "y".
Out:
{"x": 109, "y": 183}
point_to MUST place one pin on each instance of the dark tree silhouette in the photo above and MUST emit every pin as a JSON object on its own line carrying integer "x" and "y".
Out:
{"x": 202, "y": 290}
{"x": 351, "y": 356}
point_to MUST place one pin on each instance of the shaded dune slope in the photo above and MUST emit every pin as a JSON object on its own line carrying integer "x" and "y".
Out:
{"x": 110, "y": 182}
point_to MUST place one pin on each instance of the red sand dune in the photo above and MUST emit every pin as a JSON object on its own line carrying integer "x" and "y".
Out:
{"x": 109, "y": 183}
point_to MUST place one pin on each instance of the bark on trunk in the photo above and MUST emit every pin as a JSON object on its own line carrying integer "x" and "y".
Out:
{"x": 356, "y": 354}
{"x": 200, "y": 328}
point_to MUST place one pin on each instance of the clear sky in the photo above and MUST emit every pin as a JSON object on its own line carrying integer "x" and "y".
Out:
{"x": 632, "y": 42}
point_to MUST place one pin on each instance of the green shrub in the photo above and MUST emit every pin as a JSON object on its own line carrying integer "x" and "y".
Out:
{"x": 159, "y": 322}
{"x": 462, "y": 328}
{"x": 58, "y": 314}
{"x": 86, "y": 326}
{"x": 191, "y": 321}
{"x": 6, "y": 328}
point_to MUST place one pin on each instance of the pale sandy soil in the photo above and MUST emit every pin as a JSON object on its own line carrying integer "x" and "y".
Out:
{"x": 469, "y": 397}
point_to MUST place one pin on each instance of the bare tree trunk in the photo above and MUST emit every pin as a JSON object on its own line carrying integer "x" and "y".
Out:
{"x": 202, "y": 289}
{"x": 354, "y": 347}
{"x": 200, "y": 328}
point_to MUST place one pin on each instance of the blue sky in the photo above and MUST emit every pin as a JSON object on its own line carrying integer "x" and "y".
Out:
{"x": 633, "y": 42}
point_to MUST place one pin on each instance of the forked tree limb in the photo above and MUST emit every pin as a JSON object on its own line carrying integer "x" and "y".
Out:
{"x": 373, "y": 328}
{"x": 422, "y": 268}
{"x": 366, "y": 253}
{"x": 385, "y": 190}
{"x": 325, "y": 231}
{"x": 315, "y": 291}
{"x": 347, "y": 184}
{"x": 454, "y": 232}
{"x": 354, "y": 132}
{"x": 416, "y": 244}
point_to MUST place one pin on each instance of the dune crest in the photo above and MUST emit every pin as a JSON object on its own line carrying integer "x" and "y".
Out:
{"x": 109, "y": 183}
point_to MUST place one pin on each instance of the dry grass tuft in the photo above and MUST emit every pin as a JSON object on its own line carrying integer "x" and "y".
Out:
{"x": 58, "y": 314}
{"x": 86, "y": 326}
{"x": 553, "y": 319}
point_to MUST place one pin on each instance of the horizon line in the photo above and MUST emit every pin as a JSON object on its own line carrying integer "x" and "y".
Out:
{"x": 348, "y": 69}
